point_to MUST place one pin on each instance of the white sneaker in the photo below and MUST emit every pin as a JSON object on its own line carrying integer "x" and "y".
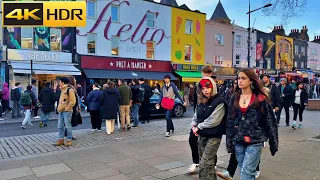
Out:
{"x": 37, "y": 117}
{"x": 93, "y": 130}
{"x": 264, "y": 144}
{"x": 86, "y": 108}
{"x": 193, "y": 168}
{"x": 31, "y": 125}
{"x": 98, "y": 130}
{"x": 167, "y": 134}
{"x": 257, "y": 174}
{"x": 1, "y": 119}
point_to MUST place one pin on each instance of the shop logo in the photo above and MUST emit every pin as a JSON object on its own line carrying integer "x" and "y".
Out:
{"x": 49, "y": 14}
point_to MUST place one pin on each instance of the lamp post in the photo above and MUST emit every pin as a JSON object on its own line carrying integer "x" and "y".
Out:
{"x": 249, "y": 33}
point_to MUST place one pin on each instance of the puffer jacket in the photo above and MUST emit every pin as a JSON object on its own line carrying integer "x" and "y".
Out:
{"x": 5, "y": 91}
{"x": 257, "y": 123}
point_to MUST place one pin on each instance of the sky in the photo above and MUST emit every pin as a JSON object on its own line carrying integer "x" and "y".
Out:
{"x": 237, "y": 9}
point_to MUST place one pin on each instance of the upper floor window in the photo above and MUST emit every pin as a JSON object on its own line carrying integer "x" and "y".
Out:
{"x": 150, "y": 49}
{"x": 303, "y": 51}
{"x": 115, "y": 41}
{"x": 238, "y": 40}
{"x": 115, "y": 13}
{"x": 237, "y": 59}
{"x": 188, "y": 27}
{"x": 91, "y": 9}
{"x": 91, "y": 43}
{"x": 150, "y": 19}
{"x": 188, "y": 53}
{"x": 27, "y": 37}
{"x": 314, "y": 52}
{"x": 220, "y": 39}
{"x": 218, "y": 60}
{"x": 55, "y": 39}
{"x": 296, "y": 49}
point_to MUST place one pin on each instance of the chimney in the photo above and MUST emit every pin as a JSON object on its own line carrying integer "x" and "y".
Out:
{"x": 304, "y": 34}
{"x": 316, "y": 39}
{"x": 278, "y": 30}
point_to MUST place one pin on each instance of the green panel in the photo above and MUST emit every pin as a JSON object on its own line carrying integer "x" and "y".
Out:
{"x": 192, "y": 74}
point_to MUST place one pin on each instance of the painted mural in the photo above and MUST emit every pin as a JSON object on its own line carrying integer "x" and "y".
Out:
{"x": 284, "y": 53}
{"x": 41, "y": 38}
{"x": 66, "y": 39}
{"x": 12, "y": 37}
{"x": 188, "y": 29}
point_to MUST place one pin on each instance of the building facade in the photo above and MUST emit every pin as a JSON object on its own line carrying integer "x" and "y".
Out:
{"x": 284, "y": 53}
{"x": 240, "y": 47}
{"x": 314, "y": 56}
{"x": 267, "y": 41}
{"x": 300, "y": 49}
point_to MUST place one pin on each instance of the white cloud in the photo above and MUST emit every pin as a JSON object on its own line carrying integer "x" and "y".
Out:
{"x": 195, "y": 4}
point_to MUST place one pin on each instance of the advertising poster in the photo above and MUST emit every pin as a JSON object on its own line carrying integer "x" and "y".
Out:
{"x": 66, "y": 39}
{"x": 12, "y": 37}
{"x": 284, "y": 53}
{"x": 42, "y": 38}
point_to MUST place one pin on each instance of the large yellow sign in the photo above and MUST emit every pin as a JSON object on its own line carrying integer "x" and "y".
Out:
{"x": 188, "y": 32}
{"x": 284, "y": 53}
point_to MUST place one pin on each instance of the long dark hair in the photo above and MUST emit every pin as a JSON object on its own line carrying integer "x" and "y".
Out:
{"x": 257, "y": 89}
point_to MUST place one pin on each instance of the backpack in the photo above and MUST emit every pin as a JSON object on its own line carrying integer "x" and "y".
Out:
{"x": 141, "y": 94}
{"x": 26, "y": 99}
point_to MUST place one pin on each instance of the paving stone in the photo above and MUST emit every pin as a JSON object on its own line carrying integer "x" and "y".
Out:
{"x": 113, "y": 157}
{"x": 12, "y": 164}
{"x": 100, "y": 174}
{"x": 117, "y": 177}
{"x": 15, "y": 173}
{"x": 42, "y": 161}
{"x": 307, "y": 174}
{"x": 164, "y": 175}
{"x": 26, "y": 178}
{"x": 170, "y": 165}
{"x": 80, "y": 161}
{"x": 133, "y": 168}
{"x": 143, "y": 173}
{"x": 90, "y": 167}
{"x": 157, "y": 160}
{"x": 62, "y": 176}
{"x": 180, "y": 170}
{"x": 180, "y": 177}
{"x": 123, "y": 163}
{"x": 149, "y": 178}
{"x": 50, "y": 169}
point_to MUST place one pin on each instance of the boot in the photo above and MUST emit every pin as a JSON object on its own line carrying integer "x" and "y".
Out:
{"x": 69, "y": 143}
{"x": 60, "y": 142}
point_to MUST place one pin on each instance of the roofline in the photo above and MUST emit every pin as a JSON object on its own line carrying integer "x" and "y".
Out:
{"x": 194, "y": 11}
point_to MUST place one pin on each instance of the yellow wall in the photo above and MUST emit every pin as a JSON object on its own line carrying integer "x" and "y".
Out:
{"x": 180, "y": 38}
{"x": 284, "y": 53}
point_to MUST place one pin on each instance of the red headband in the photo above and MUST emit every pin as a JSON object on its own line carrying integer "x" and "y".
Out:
{"x": 205, "y": 83}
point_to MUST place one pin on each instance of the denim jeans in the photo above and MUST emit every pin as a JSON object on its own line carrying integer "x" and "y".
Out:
{"x": 27, "y": 118}
{"x": 64, "y": 121}
{"x": 169, "y": 121}
{"x": 135, "y": 114}
{"x": 16, "y": 109}
{"x": 248, "y": 158}
{"x": 81, "y": 103}
{"x": 45, "y": 117}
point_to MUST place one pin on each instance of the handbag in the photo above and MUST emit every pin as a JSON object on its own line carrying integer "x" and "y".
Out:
{"x": 167, "y": 103}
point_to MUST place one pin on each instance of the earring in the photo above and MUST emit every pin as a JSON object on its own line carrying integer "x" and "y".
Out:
{"x": 252, "y": 87}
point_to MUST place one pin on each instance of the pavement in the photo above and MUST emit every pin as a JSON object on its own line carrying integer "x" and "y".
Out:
{"x": 143, "y": 153}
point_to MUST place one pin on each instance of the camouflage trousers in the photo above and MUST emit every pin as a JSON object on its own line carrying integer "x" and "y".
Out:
{"x": 208, "y": 148}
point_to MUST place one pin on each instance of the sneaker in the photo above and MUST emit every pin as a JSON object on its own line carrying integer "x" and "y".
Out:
{"x": 45, "y": 125}
{"x": 193, "y": 168}
{"x": 99, "y": 130}
{"x": 23, "y": 127}
{"x": 1, "y": 119}
{"x": 37, "y": 117}
{"x": 300, "y": 126}
{"x": 264, "y": 144}
{"x": 69, "y": 143}
{"x": 86, "y": 108}
{"x": 60, "y": 142}
{"x": 257, "y": 174}
{"x": 167, "y": 134}
{"x": 31, "y": 125}
{"x": 3, "y": 113}
{"x": 93, "y": 130}
{"x": 128, "y": 127}
{"x": 171, "y": 131}
{"x": 224, "y": 175}
{"x": 40, "y": 124}
{"x": 294, "y": 126}
{"x": 287, "y": 124}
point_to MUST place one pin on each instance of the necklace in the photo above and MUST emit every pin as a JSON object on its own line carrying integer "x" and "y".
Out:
{"x": 244, "y": 102}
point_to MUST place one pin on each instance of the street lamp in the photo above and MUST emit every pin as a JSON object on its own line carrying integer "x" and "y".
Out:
{"x": 249, "y": 36}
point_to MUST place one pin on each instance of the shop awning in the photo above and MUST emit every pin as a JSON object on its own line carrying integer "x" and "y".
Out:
{"x": 110, "y": 74}
{"x": 189, "y": 76}
{"x": 62, "y": 69}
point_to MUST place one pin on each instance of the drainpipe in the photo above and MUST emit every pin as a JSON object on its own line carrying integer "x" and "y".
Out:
{"x": 232, "y": 64}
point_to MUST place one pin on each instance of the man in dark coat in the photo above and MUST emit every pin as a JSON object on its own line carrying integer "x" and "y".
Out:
{"x": 144, "y": 109}
{"x": 286, "y": 99}
{"x": 47, "y": 98}
{"x": 274, "y": 93}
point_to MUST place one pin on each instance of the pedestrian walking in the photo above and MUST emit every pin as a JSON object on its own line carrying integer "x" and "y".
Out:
{"x": 110, "y": 106}
{"x": 206, "y": 71}
{"x": 231, "y": 91}
{"x": 35, "y": 92}
{"x": 5, "y": 94}
{"x": 76, "y": 116}
{"x": 300, "y": 101}
{"x": 285, "y": 101}
{"x": 186, "y": 94}
{"x": 93, "y": 101}
{"x": 28, "y": 101}
{"x": 145, "y": 104}
{"x": 126, "y": 96}
{"x": 15, "y": 97}
{"x": 274, "y": 93}
{"x": 137, "y": 98}
{"x": 167, "y": 99}
{"x": 57, "y": 90}
{"x": 47, "y": 98}
{"x": 65, "y": 107}
{"x": 81, "y": 96}
{"x": 314, "y": 90}
{"x": 250, "y": 123}
{"x": 209, "y": 125}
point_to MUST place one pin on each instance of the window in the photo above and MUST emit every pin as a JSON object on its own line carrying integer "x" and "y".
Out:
{"x": 237, "y": 59}
{"x": 220, "y": 39}
{"x": 303, "y": 51}
{"x": 91, "y": 9}
{"x": 115, "y": 13}
{"x": 238, "y": 40}
{"x": 314, "y": 52}
{"x": 188, "y": 53}
{"x": 188, "y": 27}
{"x": 296, "y": 50}
{"x": 115, "y": 41}
{"x": 150, "y": 49}
{"x": 150, "y": 19}
{"x": 27, "y": 38}
{"x": 218, "y": 60}
{"x": 91, "y": 43}
{"x": 55, "y": 39}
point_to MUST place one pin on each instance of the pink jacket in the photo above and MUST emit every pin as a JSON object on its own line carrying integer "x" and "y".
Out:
{"x": 5, "y": 91}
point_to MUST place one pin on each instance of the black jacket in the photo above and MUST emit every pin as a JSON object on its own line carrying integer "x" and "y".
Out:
{"x": 147, "y": 92}
{"x": 15, "y": 94}
{"x": 47, "y": 98}
{"x": 274, "y": 95}
{"x": 110, "y": 100}
{"x": 303, "y": 97}
{"x": 205, "y": 110}
{"x": 287, "y": 98}
{"x": 135, "y": 94}
{"x": 257, "y": 123}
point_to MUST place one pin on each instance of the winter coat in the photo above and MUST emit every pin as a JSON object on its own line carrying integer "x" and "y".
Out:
{"x": 258, "y": 123}
{"x": 303, "y": 97}
{"x": 287, "y": 98}
{"x": 33, "y": 98}
{"x": 109, "y": 102}
{"x": 135, "y": 94}
{"x": 47, "y": 98}
{"x": 170, "y": 92}
{"x": 35, "y": 91}
{"x": 5, "y": 91}
{"x": 66, "y": 100}
{"x": 93, "y": 100}
{"x": 274, "y": 95}
{"x": 15, "y": 94}
{"x": 147, "y": 91}
{"x": 126, "y": 95}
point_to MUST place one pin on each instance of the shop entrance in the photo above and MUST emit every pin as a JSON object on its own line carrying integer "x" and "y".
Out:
{"x": 43, "y": 78}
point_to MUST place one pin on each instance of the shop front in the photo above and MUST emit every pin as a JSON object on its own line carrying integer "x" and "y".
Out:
{"x": 44, "y": 66}
{"x": 100, "y": 69}
{"x": 187, "y": 73}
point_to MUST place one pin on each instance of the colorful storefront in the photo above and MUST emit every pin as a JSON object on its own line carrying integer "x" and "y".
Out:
{"x": 284, "y": 53}
{"x": 187, "y": 43}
